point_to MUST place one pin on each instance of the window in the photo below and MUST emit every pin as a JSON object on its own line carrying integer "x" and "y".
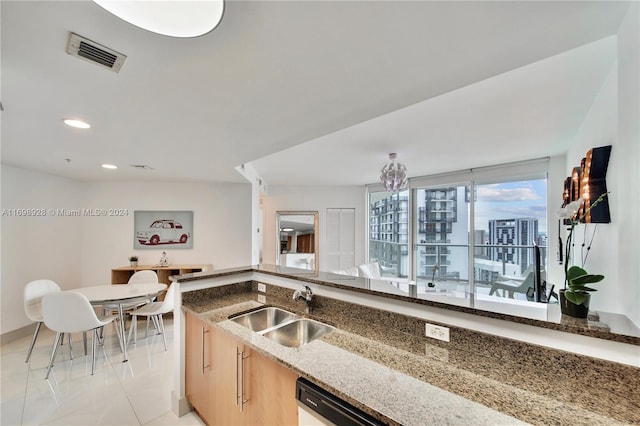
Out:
{"x": 389, "y": 232}
{"x": 442, "y": 218}
{"x": 510, "y": 218}
{"x": 469, "y": 229}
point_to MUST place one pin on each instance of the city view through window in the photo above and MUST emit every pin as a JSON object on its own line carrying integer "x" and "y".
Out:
{"x": 509, "y": 219}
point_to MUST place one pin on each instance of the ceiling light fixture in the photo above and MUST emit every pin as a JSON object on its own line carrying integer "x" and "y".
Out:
{"x": 78, "y": 124}
{"x": 286, "y": 229}
{"x": 110, "y": 166}
{"x": 170, "y": 18}
{"x": 393, "y": 175}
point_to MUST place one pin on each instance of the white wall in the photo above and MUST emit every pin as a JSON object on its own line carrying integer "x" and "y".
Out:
{"x": 613, "y": 120}
{"x": 629, "y": 162}
{"x": 81, "y": 251}
{"x": 221, "y": 228}
{"x": 318, "y": 199}
{"x": 36, "y": 247}
{"x": 600, "y": 128}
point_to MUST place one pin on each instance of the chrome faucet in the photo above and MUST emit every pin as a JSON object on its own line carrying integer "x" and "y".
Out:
{"x": 307, "y": 296}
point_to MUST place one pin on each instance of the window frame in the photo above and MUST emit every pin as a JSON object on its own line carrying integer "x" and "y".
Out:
{"x": 501, "y": 173}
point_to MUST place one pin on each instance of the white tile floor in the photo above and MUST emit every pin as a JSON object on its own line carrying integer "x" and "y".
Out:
{"x": 133, "y": 393}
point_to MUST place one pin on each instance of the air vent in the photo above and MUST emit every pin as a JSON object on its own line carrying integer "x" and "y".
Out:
{"x": 88, "y": 50}
{"x": 141, "y": 166}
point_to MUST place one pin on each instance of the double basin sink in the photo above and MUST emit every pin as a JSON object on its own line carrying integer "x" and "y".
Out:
{"x": 283, "y": 327}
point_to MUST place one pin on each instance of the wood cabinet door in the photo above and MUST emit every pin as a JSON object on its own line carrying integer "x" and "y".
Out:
{"x": 198, "y": 364}
{"x": 225, "y": 385}
{"x": 230, "y": 384}
{"x": 271, "y": 392}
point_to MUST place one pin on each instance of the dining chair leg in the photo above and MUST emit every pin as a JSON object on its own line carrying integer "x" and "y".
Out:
{"x": 70, "y": 347}
{"x": 56, "y": 343}
{"x": 33, "y": 340}
{"x": 121, "y": 337}
{"x": 164, "y": 338}
{"x": 84, "y": 341}
{"x": 146, "y": 331}
{"x": 134, "y": 324}
{"x": 94, "y": 339}
{"x": 155, "y": 323}
{"x": 133, "y": 329}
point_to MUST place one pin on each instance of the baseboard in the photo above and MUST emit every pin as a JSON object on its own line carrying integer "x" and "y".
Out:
{"x": 180, "y": 406}
{"x": 12, "y": 336}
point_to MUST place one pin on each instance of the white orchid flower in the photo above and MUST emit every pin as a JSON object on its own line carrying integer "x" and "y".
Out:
{"x": 570, "y": 210}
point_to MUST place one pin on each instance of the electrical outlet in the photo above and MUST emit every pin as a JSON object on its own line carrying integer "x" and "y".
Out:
{"x": 436, "y": 332}
{"x": 262, "y": 288}
{"x": 262, "y": 299}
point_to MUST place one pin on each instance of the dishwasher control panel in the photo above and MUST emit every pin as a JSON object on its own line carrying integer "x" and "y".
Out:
{"x": 330, "y": 407}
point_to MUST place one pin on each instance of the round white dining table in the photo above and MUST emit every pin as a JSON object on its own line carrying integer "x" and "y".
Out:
{"x": 121, "y": 295}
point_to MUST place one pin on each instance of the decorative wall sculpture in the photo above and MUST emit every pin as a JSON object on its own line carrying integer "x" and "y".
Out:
{"x": 589, "y": 182}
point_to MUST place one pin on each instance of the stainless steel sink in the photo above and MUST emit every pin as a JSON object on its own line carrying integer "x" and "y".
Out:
{"x": 265, "y": 318}
{"x": 283, "y": 327}
{"x": 298, "y": 332}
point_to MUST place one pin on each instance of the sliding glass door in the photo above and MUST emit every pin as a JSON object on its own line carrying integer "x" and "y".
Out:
{"x": 441, "y": 224}
{"x": 510, "y": 220}
{"x": 389, "y": 232}
{"x": 469, "y": 233}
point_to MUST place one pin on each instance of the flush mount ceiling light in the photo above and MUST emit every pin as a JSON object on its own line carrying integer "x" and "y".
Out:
{"x": 286, "y": 229}
{"x": 109, "y": 166}
{"x": 393, "y": 175}
{"x": 171, "y": 18}
{"x": 79, "y": 124}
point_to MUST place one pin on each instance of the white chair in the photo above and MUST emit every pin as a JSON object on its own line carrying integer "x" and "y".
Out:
{"x": 71, "y": 312}
{"x": 139, "y": 277}
{"x": 154, "y": 311}
{"x": 352, "y": 271}
{"x": 34, "y": 291}
{"x": 143, "y": 277}
{"x": 369, "y": 270}
{"x": 513, "y": 286}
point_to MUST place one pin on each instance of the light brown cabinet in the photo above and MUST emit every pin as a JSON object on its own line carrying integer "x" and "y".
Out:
{"x": 271, "y": 392}
{"x": 243, "y": 387}
{"x": 198, "y": 364}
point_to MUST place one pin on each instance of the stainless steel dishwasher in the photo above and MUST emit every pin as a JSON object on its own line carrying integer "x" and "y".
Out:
{"x": 316, "y": 406}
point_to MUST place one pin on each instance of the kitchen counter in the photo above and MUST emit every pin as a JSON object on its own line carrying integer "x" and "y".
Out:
{"x": 601, "y": 325}
{"x": 382, "y": 363}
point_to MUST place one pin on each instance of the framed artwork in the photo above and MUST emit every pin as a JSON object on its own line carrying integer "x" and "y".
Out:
{"x": 163, "y": 229}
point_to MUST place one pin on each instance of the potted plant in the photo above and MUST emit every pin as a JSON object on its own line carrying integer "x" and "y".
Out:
{"x": 134, "y": 261}
{"x": 575, "y": 297}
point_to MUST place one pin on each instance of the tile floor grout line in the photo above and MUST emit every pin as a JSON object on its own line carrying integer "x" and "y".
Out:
{"x": 70, "y": 397}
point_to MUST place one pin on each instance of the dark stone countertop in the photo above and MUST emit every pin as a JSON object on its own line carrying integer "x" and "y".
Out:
{"x": 599, "y": 324}
{"x": 382, "y": 363}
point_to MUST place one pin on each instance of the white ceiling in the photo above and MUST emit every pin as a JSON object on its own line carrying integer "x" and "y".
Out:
{"x": 308, "y": 92}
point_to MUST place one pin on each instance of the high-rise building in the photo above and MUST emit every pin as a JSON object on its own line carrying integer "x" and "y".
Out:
{"x": 442, "y": 220}
{"x": 388, "y": 232}
{"x": 511, "y": 240}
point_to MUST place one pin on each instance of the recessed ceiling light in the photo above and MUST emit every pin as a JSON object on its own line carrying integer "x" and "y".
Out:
{"x": 76, "y": 123}
{"x": 171, "y": 18}
{"x": 109, "y": 166}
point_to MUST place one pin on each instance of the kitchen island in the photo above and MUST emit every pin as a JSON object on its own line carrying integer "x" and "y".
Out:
{"x": 381, "y": 362}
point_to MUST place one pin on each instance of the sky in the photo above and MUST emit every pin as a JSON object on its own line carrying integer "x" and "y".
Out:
{"x": 511, "y": 200}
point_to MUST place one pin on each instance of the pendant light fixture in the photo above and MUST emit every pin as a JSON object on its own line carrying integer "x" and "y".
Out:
{"x": 168, "y": 17}
{"x": 393, "y": 175}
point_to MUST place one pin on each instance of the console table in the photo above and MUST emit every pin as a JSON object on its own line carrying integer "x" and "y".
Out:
{"x": 121, "y": 275}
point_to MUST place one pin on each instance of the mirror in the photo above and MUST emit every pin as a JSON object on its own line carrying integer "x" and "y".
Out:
{"x": 297, "y": 239}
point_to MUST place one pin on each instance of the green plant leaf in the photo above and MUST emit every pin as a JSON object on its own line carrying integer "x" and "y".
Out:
{"x": 588, "y": 278}
{"x": 575, "y": 272}
{"x": 578, "y": 288}
{"x": 573, "y": 297}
